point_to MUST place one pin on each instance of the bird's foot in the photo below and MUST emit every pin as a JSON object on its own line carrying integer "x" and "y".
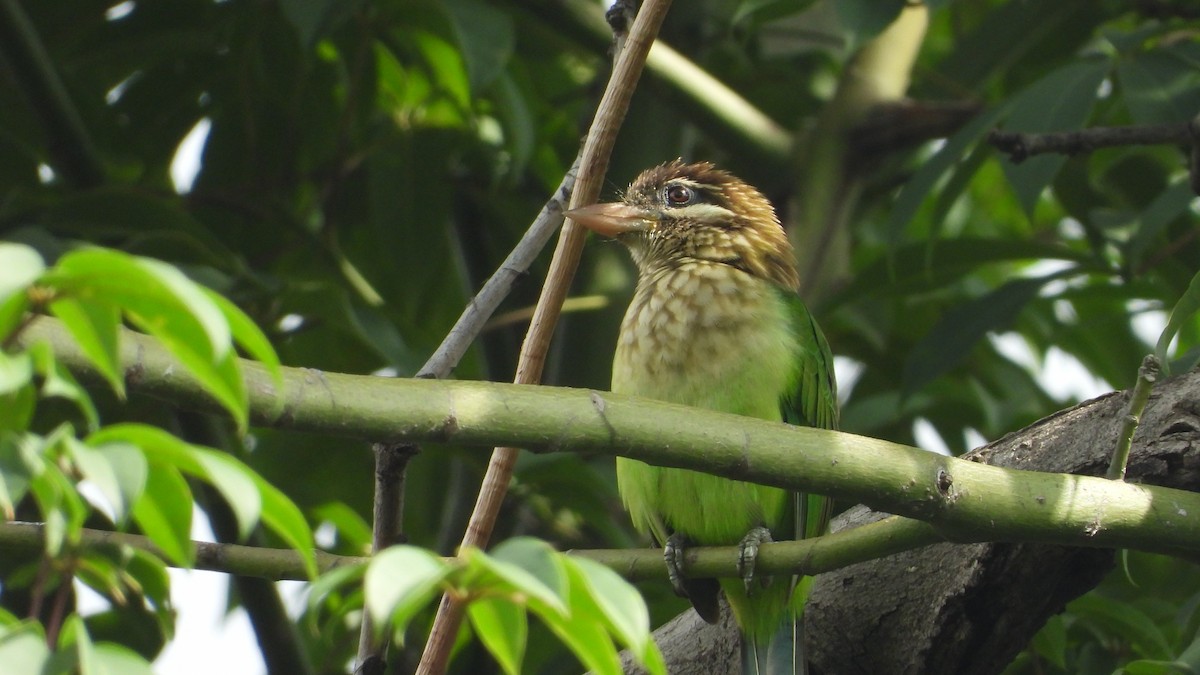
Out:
{"x": 748, "y": 557}
{"x": 673, "y": 556}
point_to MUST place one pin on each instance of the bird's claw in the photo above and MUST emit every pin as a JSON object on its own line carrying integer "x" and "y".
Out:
{"x": 748, "y": 557}
{"x": 673, "y": 556}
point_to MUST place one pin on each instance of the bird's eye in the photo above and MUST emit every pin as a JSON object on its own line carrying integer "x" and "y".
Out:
{"x": 678, "y": 195}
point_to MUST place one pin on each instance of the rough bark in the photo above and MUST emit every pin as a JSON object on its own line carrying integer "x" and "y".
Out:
{"x": 971, "y": 608}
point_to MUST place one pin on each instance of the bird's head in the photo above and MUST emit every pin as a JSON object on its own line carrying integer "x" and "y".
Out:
{"x": 676, "y": 213}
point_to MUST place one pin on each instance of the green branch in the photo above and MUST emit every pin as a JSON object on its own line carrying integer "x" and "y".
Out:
{"x": 963, "y": 501}
{"x": 811, "y": 556}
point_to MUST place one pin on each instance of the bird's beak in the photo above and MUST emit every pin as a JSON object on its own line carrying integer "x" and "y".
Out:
{"x": 612, "y": 219}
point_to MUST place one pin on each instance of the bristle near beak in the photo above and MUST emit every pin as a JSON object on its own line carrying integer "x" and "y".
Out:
{"x": 612, "y": 219}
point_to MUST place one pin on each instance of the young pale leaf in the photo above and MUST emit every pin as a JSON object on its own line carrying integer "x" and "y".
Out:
{"x": 247, "y": 334}
{"x": 508, "y": 566}
{"x": 235, "y": 481}
{"x": 164, "y": 513}
{"x": 12, "y": 312}
{"x": 20, "y": 266}
{"x": 115, "y": 659}
{"x": 162, "y": 295}
{"x": 400, "y": 581}
{"x": 16, "y": 371}
{"x": 1183, "y": 310}
{"x": 75, "y": 634}
{"x": 95, "y": 326}
{"x": 503, "y": 627}
{"x": 118, "y": 470}
{"x": 620, "y": 603}
{"x": 160, "y": 300}
{"x": 23, "y": 648}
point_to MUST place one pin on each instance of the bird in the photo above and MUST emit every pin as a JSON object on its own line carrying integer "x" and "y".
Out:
{"x": 715, "y": 322}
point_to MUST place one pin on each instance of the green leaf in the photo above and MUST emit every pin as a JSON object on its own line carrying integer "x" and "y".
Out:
{"x": 314, "y": 18}
{"x": 620, "y": 603}
{"x": 1060, "y": 101}
{"x": 400, "y": 581}
{"x": 16, "y": 371}
{"x": 961, "y": 328}
{"x": 23, "y": 648}
{"x": 250, "y": 337}
{"x": 16, "y": 409}
{"x": 118, "y": 470}
{"x": 329, "y": 582}
{"x": 61, "y": 505}
{"x": 12, "y": 312}
{"x": 352, "y": 529}
{"x": 1183, "y": 310}
{"x": 236, "y": 482}
{"x": 924, "y": 182}
{"x": 20, "y": 267}
{"x": 95, "y": 327}
{"x": 582, "y": 628}
{"x": 15, "y": 473}
{"x": 58, "y": 381}
{"x": 864, "y": 19}
{"x": 528, "y": 565}
{"x": 1154, "y": 219}
{"x": 1051, "y": 642}
{"x": 1156, "y": 667}
{"x": 503, "y": 628}
{"x": 115, "y": 659}
{"x": 486, "y": 36}
{"x": 74, "y": 633}
{"x": 1125, "y": 620}
{"x": 1161, "y": 85}
{"x": 164, "y": 513}
{"x": 160, "y": 300}
{"x": 285, "y": 519}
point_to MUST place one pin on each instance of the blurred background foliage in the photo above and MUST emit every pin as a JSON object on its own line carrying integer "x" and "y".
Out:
{"x": 351, "y": 171}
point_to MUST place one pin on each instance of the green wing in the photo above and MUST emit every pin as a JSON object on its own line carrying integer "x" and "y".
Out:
{"x": 812, "y": 401}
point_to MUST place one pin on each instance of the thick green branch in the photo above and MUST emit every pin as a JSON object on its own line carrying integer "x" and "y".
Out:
{"x": 962, "y": 500}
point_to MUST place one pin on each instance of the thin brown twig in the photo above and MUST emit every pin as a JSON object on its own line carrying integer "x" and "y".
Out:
{"x": 597, "y": 148}
{"x": 1021, "y": 146}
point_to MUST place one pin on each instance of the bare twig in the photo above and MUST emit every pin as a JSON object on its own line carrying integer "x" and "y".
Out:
{"x": 387, "y": 525}
{"x": 1021, "y": 146}
{"x": 481, "y": 307}
{"x": 593, "y": 165}
{"x": 1147, "y": 375}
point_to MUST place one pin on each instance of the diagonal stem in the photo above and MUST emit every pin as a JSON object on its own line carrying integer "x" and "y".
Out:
{"x": 593, "y": 165}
